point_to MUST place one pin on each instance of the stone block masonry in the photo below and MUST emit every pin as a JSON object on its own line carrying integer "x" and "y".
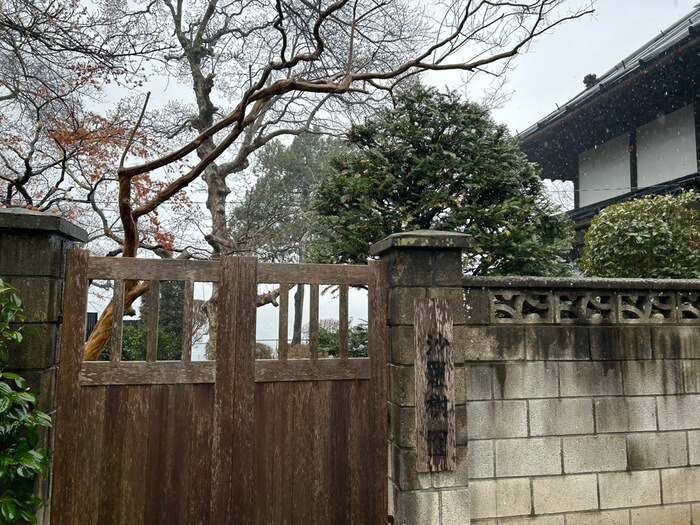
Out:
{"x": 578, "y": 400}
{"x": 33, "y": 246}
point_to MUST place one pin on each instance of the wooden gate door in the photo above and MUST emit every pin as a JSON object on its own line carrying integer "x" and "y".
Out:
{"x": 237, "y": 440}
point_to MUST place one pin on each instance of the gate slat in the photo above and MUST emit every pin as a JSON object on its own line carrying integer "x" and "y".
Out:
{"x": 313, "y": 322}
{"x": 188, "y": 312}
{"x": 115, "y": 354}
{"x": 153, "y": 313}
{"x": 110, "y": 473}
{"x": 343, "y": 322}
{"x": 67, "y": 406}
{"x": 283, "y": 332}
{"x": 133, "y": 464}
{"x": 378, "y": 434}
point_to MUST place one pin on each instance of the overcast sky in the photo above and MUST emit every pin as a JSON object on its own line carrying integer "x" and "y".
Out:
{"x": 552, "y": 73}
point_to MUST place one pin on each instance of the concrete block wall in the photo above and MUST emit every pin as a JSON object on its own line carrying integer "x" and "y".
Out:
{"x": 577, "y": 400}
{"x": 32, "y": 255}
{"x": 585, "y": 420}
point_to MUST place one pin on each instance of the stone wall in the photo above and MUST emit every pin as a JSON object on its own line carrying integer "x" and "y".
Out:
{"x": 578, "y": 400}
{"x": 32, "y": 255}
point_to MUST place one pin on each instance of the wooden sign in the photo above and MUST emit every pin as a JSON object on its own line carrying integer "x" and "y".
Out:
{"x": 435, "y": 387}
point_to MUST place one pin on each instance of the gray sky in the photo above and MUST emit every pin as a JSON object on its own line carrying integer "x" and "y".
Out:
{"x": 553, "y": 71}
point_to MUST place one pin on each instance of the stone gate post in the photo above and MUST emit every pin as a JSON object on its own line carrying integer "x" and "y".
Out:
{"x": 422, "y": 264}
{"x": 32, "y": 254}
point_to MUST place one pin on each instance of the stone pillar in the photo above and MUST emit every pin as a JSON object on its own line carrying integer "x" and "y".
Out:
{"x": 32, "y": 258}
{"x": 422, "y": 264}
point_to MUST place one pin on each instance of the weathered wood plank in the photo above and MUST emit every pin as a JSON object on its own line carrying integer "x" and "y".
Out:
{"x": 132, "y": 268}
{"x": 153, "y": 313}
{"x": 200, "y": 445}
{"x": 188, "y": 312}
{"x": 307, "y": 370}
{"x": 115, "y": 354}
{"x": 353, "y": 275}
{"x": 358, "y": 445}
{"x": 435, "y": 386}
{"x": 109, "y": 477}
{"x": 378, "y": 409}
{"x": 283, "y": 329}
{"x": 313, "y": 322}
{"x": 343, "y": 322}
{"x": 242, "y": 497}
{"x": 91, "y": 430}
{"x": 264, "y": 439}
{"x": 145, "y": 373}
{"x": 63, "y": 495}
{"x": 156, "y": 428}
{"x": 133, "y": 465}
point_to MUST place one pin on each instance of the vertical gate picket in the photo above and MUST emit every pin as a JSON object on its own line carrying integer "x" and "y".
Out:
{"x": 67, "y": 407}
{"x": 234, "y": 421}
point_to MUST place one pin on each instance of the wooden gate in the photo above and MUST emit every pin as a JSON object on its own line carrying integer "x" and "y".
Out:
{"x": 237, "y": 440}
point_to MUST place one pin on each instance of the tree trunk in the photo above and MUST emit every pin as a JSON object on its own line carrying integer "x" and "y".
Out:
{"x": 298, "y": 314}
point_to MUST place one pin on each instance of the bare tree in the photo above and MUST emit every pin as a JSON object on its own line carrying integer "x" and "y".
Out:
{"x": 259, "y": 70}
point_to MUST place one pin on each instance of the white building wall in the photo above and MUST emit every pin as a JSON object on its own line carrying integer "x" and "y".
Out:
{"x": 604, "y": 171}
{"x": 666, "y": 148}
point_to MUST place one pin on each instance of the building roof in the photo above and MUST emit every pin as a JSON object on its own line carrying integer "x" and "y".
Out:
{"x": 685, "y": 30}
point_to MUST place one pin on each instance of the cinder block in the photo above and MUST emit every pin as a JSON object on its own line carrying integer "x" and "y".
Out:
{"x": 459, "y": 477}
{"x": 447, "y": 267}
{"x": 410, "y": 267}
{"x": 406, "y": 476}
{"x": 550, "y": 343}
{"x": 401, "y": 304}
{"x": 455, "y": 507}
{"x": 578, "y": 379}
{"x": 629, "y": 489}
{"x": 402, "y": 385}
{"x": 461, "y": 424}
{"x": 556, "y": 417}
{"x": 526, "y": 380}
{"x": 496, "y": 419}
{"x": 694, "y": 447}
{"x": 652, "y": 377}
{"x": 528, "y": 457}
{"x": 43, "y": 384}
{"x": 679, "y": 412}
{"x": 39, "y": 349}
{"x": 417, "y": 508}
{"x": 41, "y": 298}
{"x": 594, "y": 453}
{"x": 557, "y": 494}
{"x": 608, "y": 517}
{"x": 656, "y": 450}
{"x": 499, "y": 498}
{"x": 489, "y": 343}
{"x": 481, "y": 459}
{"x": 696, "y": 512}
{"x": 620, "y": 342}
{"x": 666, "y": 515}
{"x": 691, "y": 375}
{"x": 456, "y": 300}
{"x": 460, "y": 385}
{"x": 479, "y": 382}
{"x": 31, "y": 254}
{"x": 675, "y": 342}
{"x": 681, "y": 484}
{"x": 402, "y": 428}
{"x": 625, "y": 414}
{"x": 477, "y": 306}
{"x": 402, "y": 345}
{"x": 537, "y": 520}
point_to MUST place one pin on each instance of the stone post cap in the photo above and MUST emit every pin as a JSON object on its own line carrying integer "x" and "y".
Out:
{"x": 431, "y": 239}
{"x": 23, "y": 219}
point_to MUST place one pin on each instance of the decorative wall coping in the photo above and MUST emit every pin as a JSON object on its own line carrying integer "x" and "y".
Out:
{"x": 578, "y": 283}
{"x": 537, "y": 300}
{"x": 433, "y": 239}
{"x": 23, "y": 219}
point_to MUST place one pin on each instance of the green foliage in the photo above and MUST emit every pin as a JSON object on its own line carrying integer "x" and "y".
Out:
{"x": 329, "y": 339}
{"x": 435, "y": 162}
{"x": 654, "y": 237}
{"x": 135, "y": 340}
{"x": 20, "y": 460}
{"x": 275, "y": 218}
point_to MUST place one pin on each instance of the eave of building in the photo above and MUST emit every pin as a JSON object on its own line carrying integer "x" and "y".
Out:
{"x": 659, "y": 78}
